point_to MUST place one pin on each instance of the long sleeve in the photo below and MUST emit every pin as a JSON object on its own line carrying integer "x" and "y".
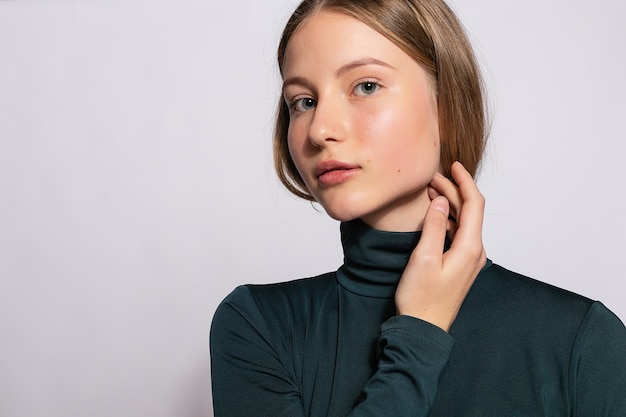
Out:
{"x": 598, "y": 367}
{"x": 413, "y": 355}
{"x": 331, "y": 346}
{"x": 249, "y": 374}
{"x": 256, "y": 373}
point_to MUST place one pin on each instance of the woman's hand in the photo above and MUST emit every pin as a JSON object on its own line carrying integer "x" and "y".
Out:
{"x": 434, "y": 284}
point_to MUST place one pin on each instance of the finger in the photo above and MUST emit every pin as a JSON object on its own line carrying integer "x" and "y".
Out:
{"x": 432, "y": 192}
{"x": 451, "y": 226}
{"x": 470, "y": 221}
{"x": 443, "y": 186}
{"x": 431, "y": 243}
{"x": 451, "y": 229}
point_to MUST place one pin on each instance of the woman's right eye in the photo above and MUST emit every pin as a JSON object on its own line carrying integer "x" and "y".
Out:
{"x": 303, "y": 104}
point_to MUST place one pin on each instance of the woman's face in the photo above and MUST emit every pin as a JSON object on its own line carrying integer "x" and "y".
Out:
{"x": 363, "y": 128}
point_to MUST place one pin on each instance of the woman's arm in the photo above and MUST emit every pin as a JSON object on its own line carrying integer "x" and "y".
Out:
{"x": 250, "y": 379}
{"x": 249, "y": 373}
{"x": 254, "y": 375}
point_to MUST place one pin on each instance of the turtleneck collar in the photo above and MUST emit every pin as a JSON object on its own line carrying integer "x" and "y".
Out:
{"x": 373, "y": 259}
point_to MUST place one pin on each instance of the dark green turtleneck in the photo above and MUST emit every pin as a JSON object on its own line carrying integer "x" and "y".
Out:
{"x": 331, "y": 346}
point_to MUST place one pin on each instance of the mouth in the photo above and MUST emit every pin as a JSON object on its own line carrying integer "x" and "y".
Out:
{"x": 333, "y": 172}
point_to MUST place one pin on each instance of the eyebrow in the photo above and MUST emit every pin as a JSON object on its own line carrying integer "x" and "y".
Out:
{"x": 341, "y": 71}
{"x": 360, "y": 63}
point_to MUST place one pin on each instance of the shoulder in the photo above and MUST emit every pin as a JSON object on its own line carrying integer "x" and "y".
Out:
{"x": 597, "y": 373}
{"x": 603, "y": 333}
{"x": 522, "y": 307}
{"x": 512, "y": 289}
{"x": 571, "y": 348}
{"x": 278, "y": 302}
{"x": 520, "y": 314}
{"x": 299, "y": 292}
{"x": 273, "y": 321}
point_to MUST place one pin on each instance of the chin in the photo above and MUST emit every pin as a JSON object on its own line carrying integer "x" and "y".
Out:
{"x": 342, "y": 214}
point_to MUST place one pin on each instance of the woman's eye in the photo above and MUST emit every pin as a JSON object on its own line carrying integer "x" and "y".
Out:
{"x": 366, "y": 88}
{"x": 303, "y": 104}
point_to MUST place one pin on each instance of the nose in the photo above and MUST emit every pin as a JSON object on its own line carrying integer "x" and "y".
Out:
{"x": 329, "y": 122}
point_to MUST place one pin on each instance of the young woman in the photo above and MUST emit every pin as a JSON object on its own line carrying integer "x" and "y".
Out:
{"x": 381, "y": 121}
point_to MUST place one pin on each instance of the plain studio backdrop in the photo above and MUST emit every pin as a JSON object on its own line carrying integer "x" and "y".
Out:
{"x": 136, "y": 182}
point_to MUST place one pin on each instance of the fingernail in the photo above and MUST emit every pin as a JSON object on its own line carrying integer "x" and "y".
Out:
{"x": 441, "y": 204}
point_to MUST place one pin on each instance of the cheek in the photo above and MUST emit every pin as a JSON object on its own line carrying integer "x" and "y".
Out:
{"x": 404, "y": 140}
{"x": 300, "y": 152}
{"x": 295, "y": 143}
{"x": 398, "y": 128}
{"x": 377, "y": 124}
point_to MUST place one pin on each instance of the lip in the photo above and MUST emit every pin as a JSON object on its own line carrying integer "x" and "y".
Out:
{"x": 332, "y": 172}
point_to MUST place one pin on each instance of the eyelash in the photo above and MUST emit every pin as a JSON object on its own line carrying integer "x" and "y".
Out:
{"x": 293, "y": 105}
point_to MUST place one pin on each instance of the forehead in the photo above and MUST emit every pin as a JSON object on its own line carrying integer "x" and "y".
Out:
{"x": 332, "y": 38}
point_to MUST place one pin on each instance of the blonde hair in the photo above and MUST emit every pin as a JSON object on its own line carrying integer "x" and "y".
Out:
{"x": 428, "y": 31}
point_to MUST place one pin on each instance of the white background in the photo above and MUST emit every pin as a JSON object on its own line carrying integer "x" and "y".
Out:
{"x": 136, "y": 185}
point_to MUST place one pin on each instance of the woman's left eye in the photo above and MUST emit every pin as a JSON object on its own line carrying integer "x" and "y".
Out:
{"x": 366, "y": 88}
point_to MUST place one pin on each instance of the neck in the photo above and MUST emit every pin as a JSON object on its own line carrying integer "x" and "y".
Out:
{"x": 373, "y": 259}
{"x": 406, "y": 214}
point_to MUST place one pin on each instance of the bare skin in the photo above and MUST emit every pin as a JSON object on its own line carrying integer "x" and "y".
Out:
{"x": 364, "y": 135}
{"x": 434, "y": 284}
